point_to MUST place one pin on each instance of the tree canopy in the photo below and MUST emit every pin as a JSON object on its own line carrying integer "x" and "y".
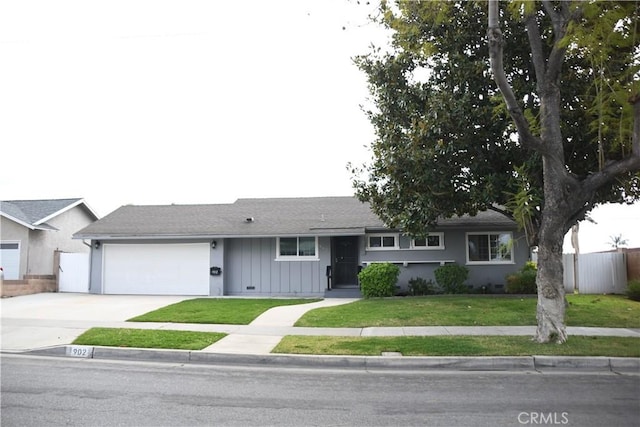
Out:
{"x": 445, "y": 143}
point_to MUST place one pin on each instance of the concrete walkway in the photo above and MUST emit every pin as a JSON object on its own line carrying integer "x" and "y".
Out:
{"x": 269, "y": 328}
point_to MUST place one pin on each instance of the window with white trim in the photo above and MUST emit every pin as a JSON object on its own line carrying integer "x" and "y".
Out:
{"x": 382, "y": 242}
{"x": 297, "y": 248}
{"x": 432, "y": 241}
{"x": 490, "y": 248}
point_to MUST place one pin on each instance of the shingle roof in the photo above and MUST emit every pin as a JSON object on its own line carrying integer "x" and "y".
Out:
{"x": 269, "y": 217}
{"x": 34, "y": 214}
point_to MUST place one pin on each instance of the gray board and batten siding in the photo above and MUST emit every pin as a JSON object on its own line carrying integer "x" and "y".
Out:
{"x": 242, "y": 240}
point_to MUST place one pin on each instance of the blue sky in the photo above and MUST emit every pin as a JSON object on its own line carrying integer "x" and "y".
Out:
{"x": 158, "y": 102}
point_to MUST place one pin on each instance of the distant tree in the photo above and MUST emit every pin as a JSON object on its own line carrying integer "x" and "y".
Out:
{"x": 558, "y": 137}
{"x": 617, "y": 242}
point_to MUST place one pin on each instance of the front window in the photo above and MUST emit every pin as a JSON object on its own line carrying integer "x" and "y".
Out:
{"x": 382, "y": 241}
{"x": 490, "y": 247}
{"x": 432, "y": 241}
{"x": 297, "y": 248}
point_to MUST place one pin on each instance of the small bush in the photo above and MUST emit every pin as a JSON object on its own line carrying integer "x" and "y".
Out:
{"x": 524, "y": 281}
{"x": 633, "y": 290}
{"x": 379, "y": 280}
{"x": 451, "y": 278}
{"x": 419, "y": 286}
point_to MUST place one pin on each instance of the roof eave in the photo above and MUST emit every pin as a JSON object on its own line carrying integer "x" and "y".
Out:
{"x": 66, "y": 208}
{"x": 16, "y": 220}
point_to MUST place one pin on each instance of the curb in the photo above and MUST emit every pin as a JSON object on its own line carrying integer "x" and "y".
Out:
{"x": 448, "y": 363}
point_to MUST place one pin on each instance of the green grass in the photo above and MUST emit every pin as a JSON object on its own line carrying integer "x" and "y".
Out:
{"x": 148, "y": 338}
{"x": 584, "y": 310}
{"x": 230, "y": 311}
{"x": 459, "y": 346}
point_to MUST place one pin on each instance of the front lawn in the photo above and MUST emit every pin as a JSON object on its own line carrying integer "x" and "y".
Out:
{"x": 458, "y": 346}
{"x": 148, "y": 338}
{"x": 613, "y": 311}
{"x": 229, "y": 311}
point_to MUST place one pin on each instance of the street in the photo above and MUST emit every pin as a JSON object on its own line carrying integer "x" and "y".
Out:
{"x": 48, "y": 391}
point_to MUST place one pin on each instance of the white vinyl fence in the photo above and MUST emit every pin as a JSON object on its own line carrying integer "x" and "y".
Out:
{"x": 74, "y": 272}
{"x": 596, "y": 273}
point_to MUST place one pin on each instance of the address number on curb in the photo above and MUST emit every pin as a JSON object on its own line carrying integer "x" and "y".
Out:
{"x": 80, "y": 351}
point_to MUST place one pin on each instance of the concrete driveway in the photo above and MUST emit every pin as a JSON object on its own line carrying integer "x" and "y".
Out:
{"x": 48, "y": 319}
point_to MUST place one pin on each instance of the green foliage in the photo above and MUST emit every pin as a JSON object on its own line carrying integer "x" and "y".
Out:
{"x": 607, "y": 39}
{"x": 524, "y": 281}
{"x": 459, "y": 346}
{"x": 240, "y": 311}
{"x": 633, "y": 290}
{"x": 445, "y": 143}
{"x": 148, "y": 338}
{"x": 451, "y": 278}
{"x": 606, "y": 311}
{"x": 530, "y": 266}
{"x": 419, "y": 286}
{"x": 379, "y": 280}
{"x": 440, "y": 149}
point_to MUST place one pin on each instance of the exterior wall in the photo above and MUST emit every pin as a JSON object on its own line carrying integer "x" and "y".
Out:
{"x": 422, "y": 263}
{"x": 216, "y": 283}
{"x": 14, "y": 232}
{"x": 251, "y": 269}
{"x": 42, "y": 244}
{"x": 28, "y": 286}
{"x": 249, "y": 265}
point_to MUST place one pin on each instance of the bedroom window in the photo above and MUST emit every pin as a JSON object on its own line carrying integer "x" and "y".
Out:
{"x": 380, "y": 242}
{"x": 297, "y": 248}
{"x": 490, "y": 248}
{"x": 432, "y": 241}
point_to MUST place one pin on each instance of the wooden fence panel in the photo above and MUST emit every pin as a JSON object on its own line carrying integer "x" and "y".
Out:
{"x": 633, "y": 265}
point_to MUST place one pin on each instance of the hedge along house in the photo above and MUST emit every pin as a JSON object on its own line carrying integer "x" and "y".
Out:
{"x": 284, "y": 247}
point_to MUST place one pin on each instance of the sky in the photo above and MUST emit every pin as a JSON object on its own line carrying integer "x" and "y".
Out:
{"x": 165, "y": 101}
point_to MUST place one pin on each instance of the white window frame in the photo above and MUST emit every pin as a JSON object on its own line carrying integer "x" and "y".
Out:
{"x": 490, "y": 261}
{"x": 429, "y": 248}
{"x": 297, "y": 257}
{"x": 396, "y": 241}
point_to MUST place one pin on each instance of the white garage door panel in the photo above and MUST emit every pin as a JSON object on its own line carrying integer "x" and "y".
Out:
{"x": 10, "y": 260}
{"x": 156, "y": 269}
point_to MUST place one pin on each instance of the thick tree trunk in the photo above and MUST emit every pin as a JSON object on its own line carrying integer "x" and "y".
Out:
{"x": 551, "y": 302}
{"x": 557, "y": 209}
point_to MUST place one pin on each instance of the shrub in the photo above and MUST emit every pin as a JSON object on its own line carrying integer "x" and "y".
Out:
{"x": 524, "y": 281}
{"x": 420, "y": 286}
{"x": 633, "y": 290}
{"x": 451, "y": 278}
{"x": 379, "y": 280}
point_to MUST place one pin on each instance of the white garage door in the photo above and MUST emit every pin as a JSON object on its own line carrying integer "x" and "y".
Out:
{"x": 10, "y": 260}
{"x": 156, "y": 269}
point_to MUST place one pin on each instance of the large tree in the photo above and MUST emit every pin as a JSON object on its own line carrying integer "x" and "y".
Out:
{"x": 534, "y": 117}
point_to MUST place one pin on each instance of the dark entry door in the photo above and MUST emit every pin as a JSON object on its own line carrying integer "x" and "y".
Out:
{"x": 345, "y": 261}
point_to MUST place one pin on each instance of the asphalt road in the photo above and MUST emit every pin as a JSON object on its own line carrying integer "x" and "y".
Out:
{"x": 48, "y": 391}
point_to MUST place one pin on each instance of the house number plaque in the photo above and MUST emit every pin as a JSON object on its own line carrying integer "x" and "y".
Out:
{"x": 84, "y": 351}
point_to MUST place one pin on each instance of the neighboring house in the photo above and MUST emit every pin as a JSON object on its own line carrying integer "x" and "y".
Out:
{"x": 283, "y": 247}
{"x": 32, "y": 230}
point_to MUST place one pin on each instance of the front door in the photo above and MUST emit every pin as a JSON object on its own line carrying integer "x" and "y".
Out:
{"x": 345, "y": 261}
